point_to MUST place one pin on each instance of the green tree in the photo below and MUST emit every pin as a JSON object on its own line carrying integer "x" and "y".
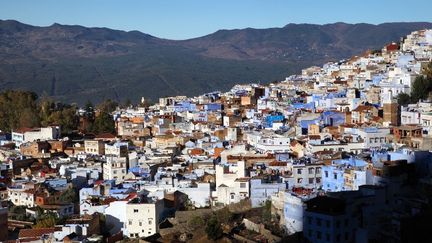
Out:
{"x": 70, "y": 195}
{"x": 422, "y": 85}
{"x": 18, "y": 109}
{"x": 427, "y": 71}
{"x": 104, "y": 122}
{"x": 52, "y": 113}
{"x": 224, "y": 215}
{"x": 128, "y": 103}
{"x": 28, "y": 118}
{"x": 69, "y": 120}
{"x": 196, "y": 222}
{"x": 46, "y": 221}
{"x": 266, "y": 211}
{"x": 107, "y": 106}
{"x": 213, "y": 228}
{"x": 403, "y": 99}
{"x": 46, "y": 107}
{"x": 420, "y": 88}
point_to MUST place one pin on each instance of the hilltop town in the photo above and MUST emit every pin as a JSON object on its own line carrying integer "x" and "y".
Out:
{"x": 338, "y": 153}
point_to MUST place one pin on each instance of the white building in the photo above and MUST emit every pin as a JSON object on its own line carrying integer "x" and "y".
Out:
{"x": 373, "y": 137}
{"x": 305, "y": 175}
{"x": 21, "y": 136}
{"x": 231, "y": 183}
{"x": 117, "y": 149}
{"x": 261, "y": 192}
{"x": 22, "y": 196}
{"x": 115, "y": 168}
{"x": 142, "y": 217}
{"x": 274, "y": 143}
{"x": 115, "y": 215}
{"x": 290, "y": 206}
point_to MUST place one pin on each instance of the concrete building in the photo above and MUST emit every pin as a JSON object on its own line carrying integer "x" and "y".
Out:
{"x": 95, "y": 147}
{"x": 261, "y": 191}
{"x": 23, "y": 135}
{"x": 115, "y": 168}
{"x": 143, "y": 216}
{"x": 232, "y": 185}
{"x": 119, "y": 149}
{"x": 326, "y": 220}
{"x": 373, "y": 137}
{"x": 290, "y": 205}
{"x": 344, "y": 175}
{"x": 21, "y": 196}
{"x": 305, "y": 175}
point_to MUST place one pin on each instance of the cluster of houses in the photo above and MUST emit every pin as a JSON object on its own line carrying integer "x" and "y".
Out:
{"x": 330, "y": 148}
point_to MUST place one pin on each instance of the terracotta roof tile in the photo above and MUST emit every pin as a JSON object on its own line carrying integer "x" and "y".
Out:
{"x": 34, "y": 233}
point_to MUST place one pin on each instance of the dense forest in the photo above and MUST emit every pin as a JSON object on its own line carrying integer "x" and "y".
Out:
{"x": 19, "y": 109}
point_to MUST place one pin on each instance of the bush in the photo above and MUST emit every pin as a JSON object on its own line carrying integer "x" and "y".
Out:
{"x": 224, "y": 215}
{"x": 266, "y": 211}
{"x": 213, "y": 228}
{"x": 196, "y": 222}
{"x": 403, "y": 99}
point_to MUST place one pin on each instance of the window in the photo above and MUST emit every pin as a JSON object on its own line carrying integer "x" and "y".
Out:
{"x": 311, "y": 180}
{"x": 232, "y": 196}
{"x": 338, "y": 224}
{"x": 135, "y": 210}
{"x": 311, "y": 171}
{"x": 310, "y": 232}
{"x": 319, "y": 235}
{"x": 309, "y": 219}
{"x": 335, "y": 176}
{"x": 150, "y": 222}
{"x": 318, "y": 221}
{"x": 299, "y": 171}
{"x": 140, "y": 223}
{"x": 346, "y": 222}
{"x": 318, "y": 180}
{"x": 242, "y": 185}
{"x": 130, "y": 222}
{"x": 338, "y": 238}
{"x": 326, "y": 173}
{"x": 346, "y": 235}
{"x": 328, "y": 223}
{"x": 327, "y": 237}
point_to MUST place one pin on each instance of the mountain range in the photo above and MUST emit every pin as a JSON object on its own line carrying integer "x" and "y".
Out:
{"x": 76, "y": 63}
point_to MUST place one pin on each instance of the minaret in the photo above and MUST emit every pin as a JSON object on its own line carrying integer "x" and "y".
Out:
{"x": 391, "y": 110}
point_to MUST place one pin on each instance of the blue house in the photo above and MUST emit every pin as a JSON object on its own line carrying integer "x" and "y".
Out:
{"x": 304, "y": 124}
{"x": 344, "y": 175}
{"x": 333, "y": 118}
{"x": 270, "y": 119}
{"x": 213, "y": 107}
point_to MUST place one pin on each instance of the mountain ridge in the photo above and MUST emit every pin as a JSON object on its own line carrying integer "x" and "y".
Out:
{"x": 74, "y": 63}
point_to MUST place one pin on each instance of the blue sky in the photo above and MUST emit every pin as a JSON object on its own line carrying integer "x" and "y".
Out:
{"x": 182, "y": 19}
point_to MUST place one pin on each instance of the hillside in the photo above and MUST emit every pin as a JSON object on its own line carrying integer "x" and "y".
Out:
{"x": 305, "y": 42}
{"x": 75, "y": 63}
